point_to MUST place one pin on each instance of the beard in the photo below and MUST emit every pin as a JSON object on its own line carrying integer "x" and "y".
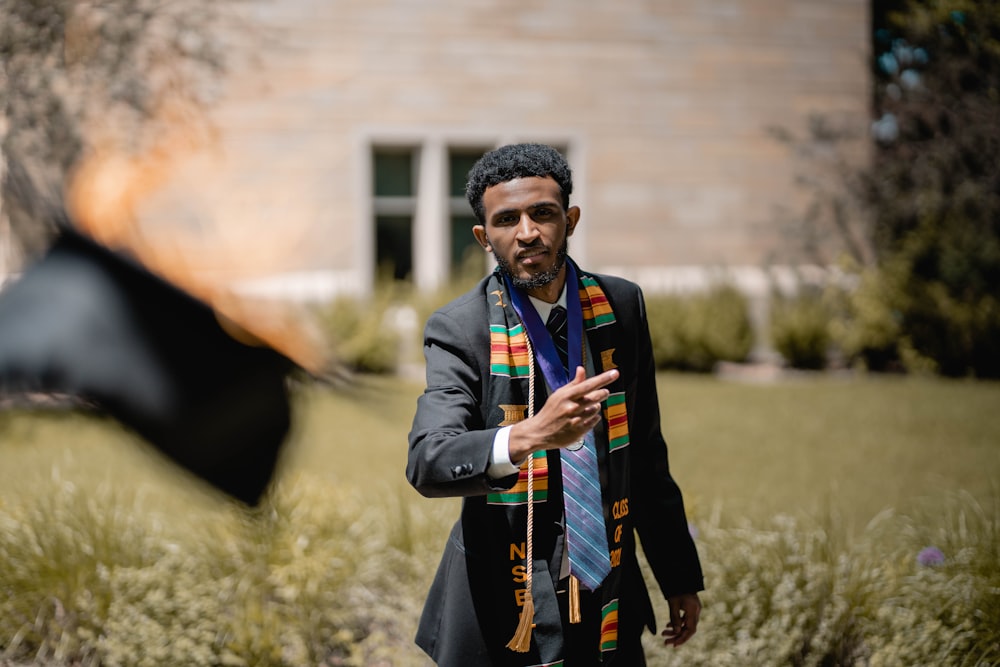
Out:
{"x": 539, "y": 279}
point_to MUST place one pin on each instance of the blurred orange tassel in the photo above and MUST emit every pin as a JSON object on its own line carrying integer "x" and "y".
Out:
{"x": 574, "y": 600}
{"x": 521, "y": 641}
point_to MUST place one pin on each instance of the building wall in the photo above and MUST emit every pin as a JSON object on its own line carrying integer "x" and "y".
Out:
{"x": 664, "y": 106}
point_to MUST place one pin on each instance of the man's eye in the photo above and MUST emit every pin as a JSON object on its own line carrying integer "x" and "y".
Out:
{"x": 506, "y": 220}
{"x": 543, "y": 213}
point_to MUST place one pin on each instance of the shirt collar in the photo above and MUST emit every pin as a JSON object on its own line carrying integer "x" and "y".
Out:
{"x": 543, "y": 308}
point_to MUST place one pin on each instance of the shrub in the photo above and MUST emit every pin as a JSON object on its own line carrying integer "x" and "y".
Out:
{"x": 865, "y": 328}
{"x": 463, "y": 278}
{"x": 940, "y": 598}
{"x": 308, "y": 578}
{"x": 56, "y": 557}
{"x": 780, "y": 594}
{"x": 793, "y": 592}
{"x": 958, "y": 329}
{"x": 934, "y": 182}
{"x": 800, "y": 329}
{"x": 379, "y": 335}
{"x": 893, "y": 320}
{"x": 694, "y": 332}
{"x": 666, "y": 315}
{"x": 363, "y": 336}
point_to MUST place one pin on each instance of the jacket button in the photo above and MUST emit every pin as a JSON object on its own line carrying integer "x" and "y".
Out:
{"x": 461, "y": 470}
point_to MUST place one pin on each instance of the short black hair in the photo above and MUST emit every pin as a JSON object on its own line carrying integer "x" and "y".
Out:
{"x": 516, "y": 161}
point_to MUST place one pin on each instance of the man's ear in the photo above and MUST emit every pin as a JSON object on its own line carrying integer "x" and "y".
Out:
{"x": 479, "y": 231}
{"x": 572, "y": 218}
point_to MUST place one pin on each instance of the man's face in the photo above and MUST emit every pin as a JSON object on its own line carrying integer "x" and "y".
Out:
{"x": 526, "y": 230}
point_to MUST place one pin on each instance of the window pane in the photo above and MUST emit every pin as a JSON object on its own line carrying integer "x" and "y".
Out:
{"x": 460, "y": 161}
{"x": 394, "y": 246}
{"x": 393, "y": 173}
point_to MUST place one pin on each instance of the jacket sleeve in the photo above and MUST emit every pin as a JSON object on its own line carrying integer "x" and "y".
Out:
{"x": 660, "y": 518}
{"x": 450, "y": 445}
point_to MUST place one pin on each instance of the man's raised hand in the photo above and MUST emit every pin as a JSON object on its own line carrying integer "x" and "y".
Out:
{"x": 568, "y": 414}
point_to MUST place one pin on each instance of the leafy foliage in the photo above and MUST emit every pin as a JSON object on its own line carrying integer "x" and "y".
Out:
{"x": 935, "y": 184}
{"x": 795, "y": 592}
{"x": 926, "y": 211}
{"x": 800, "y": 329}
{"x": 70, "y": 68}
{"x": 694, "y": 332}
{"x": 364, "y": 335}
{"x": 863, "y": 326}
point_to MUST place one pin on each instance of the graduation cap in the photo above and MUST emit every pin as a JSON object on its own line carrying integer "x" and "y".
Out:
{"x": 95, "y": 324}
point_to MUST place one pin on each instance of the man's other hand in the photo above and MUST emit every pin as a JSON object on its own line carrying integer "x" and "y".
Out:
{"x": 685, "y": 610}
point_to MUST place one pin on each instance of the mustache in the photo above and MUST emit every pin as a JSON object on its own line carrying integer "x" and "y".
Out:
{"x": 538, "y": 280}
{"x": 534, "y": 245}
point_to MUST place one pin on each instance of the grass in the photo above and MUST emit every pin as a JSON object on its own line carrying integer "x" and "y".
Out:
{"x": 826, "y": 450}
{"x": 750, "y": 451}
{"x": 822, "y": 444}
{"x": 812, "y": 445}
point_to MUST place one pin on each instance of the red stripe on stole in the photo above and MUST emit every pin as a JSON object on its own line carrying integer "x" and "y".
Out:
{"x": 598, "y": 299}
{"x": 617, "y": 420}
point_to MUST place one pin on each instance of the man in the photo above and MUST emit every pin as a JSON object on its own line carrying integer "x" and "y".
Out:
{"x": 505, "y": 419}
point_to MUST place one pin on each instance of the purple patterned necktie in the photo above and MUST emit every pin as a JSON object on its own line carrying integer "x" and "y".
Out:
{"x": 586, "y": 536}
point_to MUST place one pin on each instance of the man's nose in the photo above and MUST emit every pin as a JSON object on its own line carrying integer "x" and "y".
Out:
{"x": 527, "y": 230}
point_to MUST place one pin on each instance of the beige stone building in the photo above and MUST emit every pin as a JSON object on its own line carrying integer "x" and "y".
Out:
{"x": 347, "y": 128}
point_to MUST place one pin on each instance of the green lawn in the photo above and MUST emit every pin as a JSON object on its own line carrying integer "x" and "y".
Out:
{"x": 852, "y": 446}
{"x": 811, "y": 444}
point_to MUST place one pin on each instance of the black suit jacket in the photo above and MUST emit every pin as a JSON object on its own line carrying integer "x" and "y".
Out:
{"x": 467, "y": 618}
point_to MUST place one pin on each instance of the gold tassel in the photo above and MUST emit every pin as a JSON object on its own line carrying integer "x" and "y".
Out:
{"x": 521, "y": 641}
{"x": 574, "y": 600}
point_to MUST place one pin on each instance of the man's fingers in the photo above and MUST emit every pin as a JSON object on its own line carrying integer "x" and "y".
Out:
{"x": 676, "y": 620}
{"x": 581, "y": 384}
{"x": 676, "y": 634}
{"x": 587, "y": 401}
{"x": 575, "y": 408}
{"x": 598, "y": 396}
{"x": 584, "y": 419}
{"x": 684, "y": 613}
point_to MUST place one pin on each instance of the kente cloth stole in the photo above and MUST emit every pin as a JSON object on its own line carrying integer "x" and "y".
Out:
{"x": 510, "y": 370}
{"x": 512, "y": 376}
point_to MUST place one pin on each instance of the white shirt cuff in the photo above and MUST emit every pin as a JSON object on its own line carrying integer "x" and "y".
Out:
{"x": 500, "y": 463}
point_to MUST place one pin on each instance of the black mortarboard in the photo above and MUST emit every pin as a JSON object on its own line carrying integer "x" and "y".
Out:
{"x": 92, "y": 323}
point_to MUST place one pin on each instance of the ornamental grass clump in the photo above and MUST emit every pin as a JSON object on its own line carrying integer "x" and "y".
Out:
{"x": 165, "y": 613}
{"x": 779, "y": 594}
{"x": 57, "y": 557}
{"x": 940, "y": 605}
{"x": 917, "y": 589}
{"x": 311, "y": 577}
